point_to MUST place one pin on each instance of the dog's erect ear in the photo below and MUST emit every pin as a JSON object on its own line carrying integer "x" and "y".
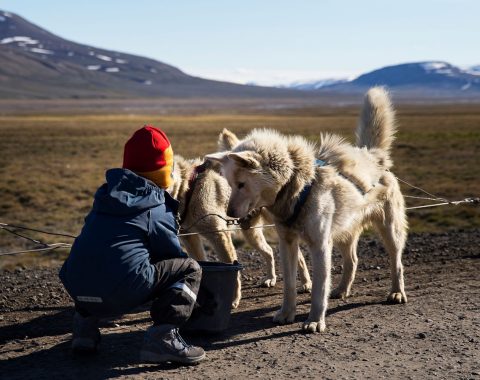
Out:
{"x": 227, "y": 140}
{"x": 247, "y": 160}
{"x": 217, "y": 157}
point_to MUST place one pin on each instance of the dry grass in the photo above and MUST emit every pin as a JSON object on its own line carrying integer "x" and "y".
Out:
{"x": 50, "y": 166}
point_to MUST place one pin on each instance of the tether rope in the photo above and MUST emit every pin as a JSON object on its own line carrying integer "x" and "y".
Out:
{"x": 232, "y": 221}
{"x": 420, "y": 189}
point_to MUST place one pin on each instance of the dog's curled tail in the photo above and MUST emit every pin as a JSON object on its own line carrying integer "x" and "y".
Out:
{"x": 227, "y": 140}
{"x": 376, "y": 128}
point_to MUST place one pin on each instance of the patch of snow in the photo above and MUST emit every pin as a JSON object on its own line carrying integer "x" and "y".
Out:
{"x": 153, "y": 71}
{"x": 70, "y": 53}
{"x": 94, "y": 67}
{"x": 23, "y": 39}
{"x": 466, "y": 86}
{"x": 7, "y": 14}
{"x": 473, "y": 70}
{"x": 103, "y": 57}
{"x": 91, "y": 53}
{"x": 112, "y": 69}
{"x": 313, "y": 85}
{"x": 441, "y": 68}
{"x": 121, "y": 61}
{"x": 434, "y": 65}
{"x": 148, "y": 82}
{"x": 2, "y": 19}
{"x": 444, "y": 71}
{"x": 41, "y": 51}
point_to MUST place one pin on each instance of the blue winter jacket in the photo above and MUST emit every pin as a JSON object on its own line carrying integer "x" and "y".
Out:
{"x": 132, "y": 224}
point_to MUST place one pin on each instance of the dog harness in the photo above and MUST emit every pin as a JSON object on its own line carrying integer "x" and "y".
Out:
{"x": 302, "y": 198}
{"x": 191, "y": 186}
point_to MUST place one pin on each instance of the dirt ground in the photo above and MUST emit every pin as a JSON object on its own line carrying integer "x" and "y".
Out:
{"x": 435, "y": 335}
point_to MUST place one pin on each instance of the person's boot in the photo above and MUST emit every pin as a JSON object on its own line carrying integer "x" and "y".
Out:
{"x": 86, "y": 335}
{"x": 163, "y": 343}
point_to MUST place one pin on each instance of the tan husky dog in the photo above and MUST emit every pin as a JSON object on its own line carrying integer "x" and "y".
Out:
{"x": 203, "y": 194}
{"x": 325, "y": 196}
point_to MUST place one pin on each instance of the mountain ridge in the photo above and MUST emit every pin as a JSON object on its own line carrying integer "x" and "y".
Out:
{"x": 38, "y": 64}
{"x": 35, "y": 63}
{"x": 434, "y": 77}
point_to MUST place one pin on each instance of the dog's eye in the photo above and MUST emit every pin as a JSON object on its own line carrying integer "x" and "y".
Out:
{"x": 241, "y": 185}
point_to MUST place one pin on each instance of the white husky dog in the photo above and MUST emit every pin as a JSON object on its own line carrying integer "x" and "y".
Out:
{"x": 326, "y": 196}
{"x": 203, "y": 194}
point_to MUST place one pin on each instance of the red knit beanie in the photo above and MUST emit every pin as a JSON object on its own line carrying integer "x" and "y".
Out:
{"x": 149, "y": 154}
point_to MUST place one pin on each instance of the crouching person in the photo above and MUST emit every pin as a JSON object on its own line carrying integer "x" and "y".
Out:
{"x": 128, "y": 254}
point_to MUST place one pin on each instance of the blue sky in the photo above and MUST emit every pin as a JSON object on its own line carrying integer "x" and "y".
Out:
{"x": 269, "y": 41}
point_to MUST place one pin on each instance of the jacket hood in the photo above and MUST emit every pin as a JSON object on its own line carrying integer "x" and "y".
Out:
{"x": 126, "y": 193}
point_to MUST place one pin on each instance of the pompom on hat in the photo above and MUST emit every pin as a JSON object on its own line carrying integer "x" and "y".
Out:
{"x": 149, "y": 154}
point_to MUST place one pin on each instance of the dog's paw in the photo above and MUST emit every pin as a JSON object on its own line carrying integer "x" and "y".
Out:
{"x": 305, "y": 288}
{"x": 269, "y": 282}
{"x": 236, "y": 301}
{"x": 339, "y": 294}
{"x": 397, "y": 297}
{"x": 283, "y": 317}
{"x": 313, "y": 326}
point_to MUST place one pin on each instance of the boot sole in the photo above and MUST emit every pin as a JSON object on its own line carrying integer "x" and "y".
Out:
{"x": 152, "y": 357}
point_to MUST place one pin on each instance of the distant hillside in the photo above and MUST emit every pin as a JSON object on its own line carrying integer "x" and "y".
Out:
{"x": 417, "y": 80}
{"x": 35, "y": 63}
{"x": 420, "y": 78}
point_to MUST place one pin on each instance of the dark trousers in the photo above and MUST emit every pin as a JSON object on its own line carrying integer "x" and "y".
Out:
{"x": 174, "y": 293}
{"x": 176, "y": 287}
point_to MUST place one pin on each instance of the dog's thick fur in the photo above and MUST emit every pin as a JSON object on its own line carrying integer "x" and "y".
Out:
{"x": 353, "y": 190}
{"x": 210, "y": 196}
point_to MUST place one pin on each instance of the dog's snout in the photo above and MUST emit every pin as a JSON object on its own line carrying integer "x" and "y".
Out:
{"x": 231, "y": 212}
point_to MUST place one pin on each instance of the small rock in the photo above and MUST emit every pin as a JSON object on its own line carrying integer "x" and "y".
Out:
{"x": 421, "y": 335}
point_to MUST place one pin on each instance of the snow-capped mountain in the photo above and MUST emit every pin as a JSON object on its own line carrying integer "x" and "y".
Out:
{"x": 432, "y": 74}
{"x": 315, "y": 84}
{"x": 35, "y": 63}
{"x": 429, "y": 78}
{"x": 475, "y": 70}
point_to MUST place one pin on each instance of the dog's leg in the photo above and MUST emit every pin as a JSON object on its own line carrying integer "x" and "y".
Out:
{"x": 194, "y": 247}
{"x": 288, "y": 246}
{"x": 257, "y": 240}
{"x": 223, "y": 247}
{"x": 393, "y": 230}
{"x": 348, "y": 250}
{"x": 321, "y": 254}
{"x": 303, "y": 274}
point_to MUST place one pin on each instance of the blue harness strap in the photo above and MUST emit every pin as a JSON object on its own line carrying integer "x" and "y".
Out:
{"x": 302, "y": 198}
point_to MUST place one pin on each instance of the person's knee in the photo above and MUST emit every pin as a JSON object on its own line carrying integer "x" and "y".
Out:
{"x": 194, "y": 266}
